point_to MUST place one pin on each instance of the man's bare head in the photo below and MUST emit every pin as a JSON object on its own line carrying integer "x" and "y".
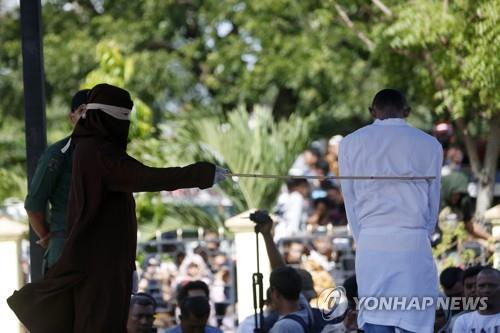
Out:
{"x": 389, "y": 103}
{"x": 488, "y": 285}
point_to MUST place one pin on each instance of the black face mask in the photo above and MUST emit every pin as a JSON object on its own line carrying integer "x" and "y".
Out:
{"x": 100, "y": 124}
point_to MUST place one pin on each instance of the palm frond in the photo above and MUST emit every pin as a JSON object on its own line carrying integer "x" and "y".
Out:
{"x": 249, "y": 143}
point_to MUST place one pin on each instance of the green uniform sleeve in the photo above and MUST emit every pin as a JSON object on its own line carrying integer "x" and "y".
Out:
{"x": 43, "y": 182}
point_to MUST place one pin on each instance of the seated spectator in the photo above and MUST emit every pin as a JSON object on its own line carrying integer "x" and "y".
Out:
{"x": 217, "y": 260}
{"x": 469, "y": 287}
{"x": 141, "y": 313}
{"x": 194, "y": 316}
{"x": 451, "y": 279}
{"x": 321, "y": 169}
{"x": 455, "y": 197}
{"x": 220, "y": 285}
{"x": 150, "y": 273}
{"x": 180, "y": 255}
{"x": 304, "y": 165}
{"x": 324, "y": 253}
{"x": 196, "y": 289}
{"x": 321, "y": 278}
{"x": 336, "y": 209}
{"x": 193, "y": 268}
{"x": 307, "y": 284}
{"x": 319, "y": 216}
{"x": 152, "y": 281}
{"x": 293, "y": 253}
{"x": 329, "y": 209}
{"x": 488, "y": 319}
{"x": 350, "y": 321}
{"x": 212, "y": 241}
{"x": 454, "y": 156}
{"x": 292, "y": 209}
{"x": 203, "y": 252}
{"x": 332, "y": 156}
{"x": 444, "y": 133}
{"x": 469, "y": 278}
{"x": 442, "y": 323}
{"x": 192, "y": 289}
{"x": 165, "y": 317}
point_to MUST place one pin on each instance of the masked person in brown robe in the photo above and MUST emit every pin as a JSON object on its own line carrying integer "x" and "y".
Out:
{"x": 88, "y": 289}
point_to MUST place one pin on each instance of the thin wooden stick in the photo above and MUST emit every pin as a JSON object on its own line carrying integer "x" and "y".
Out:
{"x": 253, "y": 175}
{"x": 383, "y": 7}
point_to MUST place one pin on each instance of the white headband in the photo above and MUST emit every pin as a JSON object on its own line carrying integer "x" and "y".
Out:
{"x": 114, "y": 111}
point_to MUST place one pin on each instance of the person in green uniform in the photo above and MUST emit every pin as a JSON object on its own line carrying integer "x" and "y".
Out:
{"x": 50, "y": 186}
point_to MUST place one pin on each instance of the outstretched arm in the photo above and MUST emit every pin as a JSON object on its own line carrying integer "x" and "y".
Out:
{"x": 126, "y": 174}
{"x": 476, "y": 230}
{"x": 264, "y": 225}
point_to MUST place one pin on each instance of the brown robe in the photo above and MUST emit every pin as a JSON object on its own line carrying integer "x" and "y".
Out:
{"x": 89, "y": 288}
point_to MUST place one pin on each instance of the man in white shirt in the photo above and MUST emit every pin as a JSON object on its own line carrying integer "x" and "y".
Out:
{"x": 292, "y": 209}
{"x": 484, "y": 320}
{"x": 392, "y": 220}
{"x": 469, "y": 290}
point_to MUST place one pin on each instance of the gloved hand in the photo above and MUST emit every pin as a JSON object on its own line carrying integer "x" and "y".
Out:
{"x": 220, "y": 174}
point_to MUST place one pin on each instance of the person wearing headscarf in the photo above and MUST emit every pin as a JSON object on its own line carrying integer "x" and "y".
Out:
{"x": 50, "y": 187}
{"x": 88, "y": 289}
{"x": 193, "y": 268}
{"x": 332, "y": 155}
{"x": 455, "y": 200}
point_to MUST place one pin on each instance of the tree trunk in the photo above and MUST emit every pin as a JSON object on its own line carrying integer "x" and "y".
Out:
{"x": 470, "y": 147}
{"x": 486, "y": 179}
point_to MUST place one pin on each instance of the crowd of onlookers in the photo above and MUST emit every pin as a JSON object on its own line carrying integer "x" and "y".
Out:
{"x": 193, "y": 291}
{"x": 460, "y": 237}
{"x": 164, "y": 276}
{"x": 328, "y": 259}
{"x": 312, "y": 235}
{"x": 475, "y": 282}
{"x": 312, "y": 204}
{"x": 309, "y": 214}
{"x": 307, "y": 205}
{"x": 295, "y": 301}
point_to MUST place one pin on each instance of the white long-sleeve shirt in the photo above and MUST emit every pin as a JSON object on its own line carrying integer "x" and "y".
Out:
{"x": 392, "y": 220}
{"x": 475, "y": 322}
{"x": 391, "y": 148}
{"x": 294, "y": 215}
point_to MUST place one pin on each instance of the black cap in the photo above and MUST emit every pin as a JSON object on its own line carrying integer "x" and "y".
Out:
{"x": 79, "y": 98}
